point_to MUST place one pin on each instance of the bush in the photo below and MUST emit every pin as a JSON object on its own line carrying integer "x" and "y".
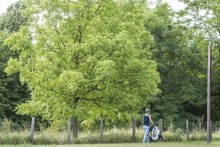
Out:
{"x": 5, "y": 126}
{"x": 197, "y": 135}
{"x": 14, "y": 138}
{"x": 172, "y": 136}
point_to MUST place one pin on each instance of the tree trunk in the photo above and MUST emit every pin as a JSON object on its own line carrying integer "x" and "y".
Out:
{"x": 75, "y": 121}
{"x": 75, "y": 127}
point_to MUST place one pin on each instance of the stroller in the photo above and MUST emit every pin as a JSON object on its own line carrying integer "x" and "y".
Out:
{"x": 154, "y": 134}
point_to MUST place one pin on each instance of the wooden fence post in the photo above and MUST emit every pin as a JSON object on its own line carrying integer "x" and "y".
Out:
{"x": 193, "y": 125}
{"x": 133, "y": 130}
{"x": 161, "y": 126}
{"x": 101, "y": 130}
{"x": 210, "y": 130}
{"x": 69, "y": 124}
{"x": 187, "y": 129}
{"x": 32, "y": 130}
{"x": 200, "y": 126}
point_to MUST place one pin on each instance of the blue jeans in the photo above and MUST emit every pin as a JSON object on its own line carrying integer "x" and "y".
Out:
{"x": 146, "y": 133}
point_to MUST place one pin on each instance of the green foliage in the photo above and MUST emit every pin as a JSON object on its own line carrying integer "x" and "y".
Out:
{"x": 14, "y": 138}
{"x": 12, "y": 92}
{"x": 204, "y": 17}
{"x": 197, "y": 135}
{"x": 87, "y": 64}
{"x": 181, "y": 70}
{"x": 95, "y": 59}
{"x": 12, "y": 19}
{"x": 171, "y": 136}
{"x": 5, "y": 126}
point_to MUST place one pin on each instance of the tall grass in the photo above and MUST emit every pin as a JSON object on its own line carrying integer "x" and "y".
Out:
{"x": 110, "y": 136}
{"x": 114, "y": 135}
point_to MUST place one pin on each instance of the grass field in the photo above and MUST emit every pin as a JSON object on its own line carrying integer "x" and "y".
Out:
{"x": 164, "y": 144}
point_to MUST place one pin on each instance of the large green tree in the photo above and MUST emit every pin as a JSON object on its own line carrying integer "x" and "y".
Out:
{"x": 86, "y": 59}
{"x": 12, "y": 92}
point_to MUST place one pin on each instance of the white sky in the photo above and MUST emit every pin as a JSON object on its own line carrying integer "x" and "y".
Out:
{"x": 174, "y": 3}
{"x": 4, "y": 4}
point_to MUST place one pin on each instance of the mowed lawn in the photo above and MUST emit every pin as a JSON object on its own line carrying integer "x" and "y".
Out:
{"x": 164, "y": 144}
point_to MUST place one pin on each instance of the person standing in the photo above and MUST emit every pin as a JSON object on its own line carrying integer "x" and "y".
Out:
{"x": 147, "y": 120}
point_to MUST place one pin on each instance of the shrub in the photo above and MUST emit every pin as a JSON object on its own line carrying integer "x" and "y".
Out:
{"x": 173, "y": 136}
{"x": 197, "y": 135}
{"x": 5, "y": 126}
{"x": 14, "y": 138}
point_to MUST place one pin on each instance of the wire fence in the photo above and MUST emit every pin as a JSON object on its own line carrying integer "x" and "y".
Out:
{"x": 165, "y": 126}
{"x": 36, "y": 125}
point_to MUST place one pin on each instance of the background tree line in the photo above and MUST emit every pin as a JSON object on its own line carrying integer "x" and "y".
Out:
{"x": 102, "y": 59}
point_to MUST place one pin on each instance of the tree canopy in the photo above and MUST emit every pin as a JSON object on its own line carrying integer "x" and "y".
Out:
{"x": 87, "y": 59}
